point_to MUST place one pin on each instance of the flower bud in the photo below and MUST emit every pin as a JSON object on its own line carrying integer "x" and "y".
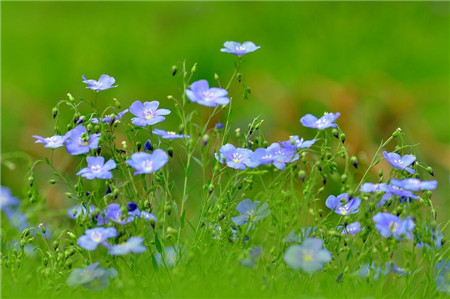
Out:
{"x": 52, "y": 182}
{"x": 68, "y": 194}
{"x": 148, "y": 146}
{"x": 55, "y": 245}
{"x": 170, "y": 152}
{"x": 33, "y": 199}
{"x": 55, "y": 112}
{"x": 238, "y": 132}
{"x": 25, "y": 232}
{"x": 430, "y": 170}
{"x": 342, "y": 137}
{"x": 239, "y": 77}
{"x": 174, "y": 70}
{"x": 335, "y": 133}
{"x": 72, "y": 235}
{"x": 343, "y": 178}
{"x": 216, "y": 77}
{"x": 31, "y": 180}
{"x": 302, "y": 175}
{"x": 205, "y": 139}
{"x": 354, "y": 161}
{"x": 396, "y": 133}
{"x": 194, "y": 68}
{"x": 71, "y": 98}
{"x": 42, "y": 227}
{"x": 138, "y": 145}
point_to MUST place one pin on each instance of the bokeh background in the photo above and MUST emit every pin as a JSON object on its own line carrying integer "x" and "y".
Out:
{"x": 382, "y": 65}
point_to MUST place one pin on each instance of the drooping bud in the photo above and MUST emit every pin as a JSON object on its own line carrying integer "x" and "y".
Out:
{"x": 205, "y": 139}
{"x": 71, "y": 98}
{"x": 147, "y": 146}
{"x": 55, "y": 112}
{"x": 216, "y": 77}
{"x": 238, "y": 132}
{"x": 342, "y": 137}
{"x": 52, "y": 182}
{"x": 170, "y": 152}
{"x": 31, "y": 180}
{"x": 239, "y": 77}
{"x": 302, "y": 175}
{"x": 430, "y": 170}
{"x": 335, "y": 133}
{"x": 354, "y": 161}
{"x": 174, "y": 70}
{"x": 42, "y": 227}
{"x": 138, "y": 145}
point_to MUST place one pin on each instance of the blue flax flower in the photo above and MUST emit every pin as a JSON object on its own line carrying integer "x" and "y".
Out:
{"x": 442, "y": 275}
{"x": 97, "y": 168}
{"x": 370, "y": 187}
{"x": 295, "y": 143}
{"x": 250, "y": 212}
{"x": 400, "y": 162}
{"x": 148, "y": 163}
{"x": 238, "y": 48}
{"x": 237, "y": 158}
{"x": 51, "y": 142}
{"x": 104, "y": 82}
{"x": 414, "y": 184}
{"x": 94, "y": 236}
{"x": 169, "y": 134}
{"x": 91, "y": 277}
{"x": 170, "y": 256}
{"x": 352, "y": 228}
{"x": 7, "y": 199}
{"x": 78, "y": 142}
{"x": 326, "y": 121}
{"x": 373, "y": 270}
{"x": 113, "y": 212}
{"x": 111, "y": 119}
{"x": 391, "y": 225}
{"x": 80, "y": 210}
{"x": 147, "y": 113}
{"x": 433, "y": 235}
{"x": 342, "y": 205}
{"x": 200, "y": 93}
{"x": 275, "y": 154}
{"x": 133, "y": 244}
{"x": 254, "y": 254}
{"x": 309, "y": 256}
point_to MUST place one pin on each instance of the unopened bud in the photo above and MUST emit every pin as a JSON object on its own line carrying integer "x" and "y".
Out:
{"x": 138, "y": 145}
{"x": 31, "y": 180}
{"x": 71, "y": 98}
{"x": 354, "y": 161}
{"x": 55, "y": 112}
{"x": 174, "y": 70}
{"x": 430, "y": 170}
{"x": 216, "y": 77}
{"x": 170, "y": 152}
{"x": 42, "y": 227}
{"x": 238, "y": 132}
{"x": 72, "y": 235}
{"x": 194, "y": 68}
{"x": 302, "y": 175}
{"x": 342, "y": 137}
{"x": 335, "y": 133}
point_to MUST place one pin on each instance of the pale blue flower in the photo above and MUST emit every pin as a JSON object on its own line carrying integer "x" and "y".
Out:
{"x": 202, "y": 94}
{"x": 148, "y": 163}
{"x": 238, "y": 48}
{"x": 97, "y": 168}
{"x": 326, "y": 121}
{"x": 94, "y": 236}
{"x": 104, "y": 82}
{"x": 91, "y": 277}
{"x": 309, "y": 256}
{"x": 250, "y": 212}
{"x": 400, "y": 162}
{"x": 133, "y": 244}
{"x": 147, "y": 113}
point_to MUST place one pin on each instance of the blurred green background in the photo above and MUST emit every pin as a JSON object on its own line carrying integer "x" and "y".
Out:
{"x": 382, "y": 65}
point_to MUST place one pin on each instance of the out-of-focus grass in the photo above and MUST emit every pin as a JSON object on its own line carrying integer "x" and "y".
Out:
{"x": 382, "y": 65}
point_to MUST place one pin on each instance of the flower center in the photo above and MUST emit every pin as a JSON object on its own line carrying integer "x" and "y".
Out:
{"x": 237, "y": 158}
{"x": 96, "y": 168}
{"x": 399, "y": 162}
{"x": 147, "y": 165}
{"x": 208, "y": 96}
{"x": 96, "y": 237}
{"x": 307, "y": 256}
{"x": 240, "y": 48}
{"x": 393, "y": 226}
{"x": 83, "y": 142}
{"x": 148, "y": 113}
{"x": 170, "y": 133}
